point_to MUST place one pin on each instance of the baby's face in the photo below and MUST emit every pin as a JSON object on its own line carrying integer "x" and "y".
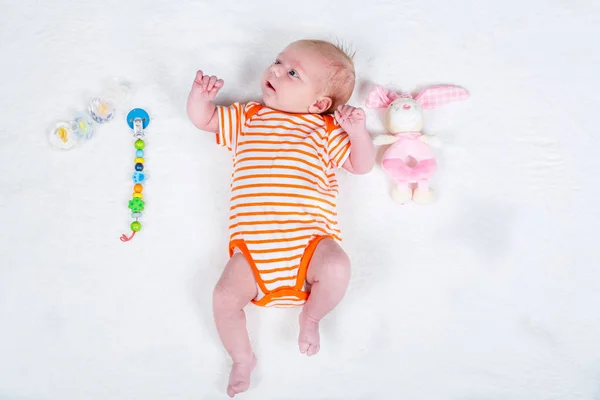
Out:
{"x": 295, "y": 81}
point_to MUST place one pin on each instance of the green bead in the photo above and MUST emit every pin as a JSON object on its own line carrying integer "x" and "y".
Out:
{"x": 139, "y": 144}
{"x": 136, "y": 205}
{"x": 136, "y": 226}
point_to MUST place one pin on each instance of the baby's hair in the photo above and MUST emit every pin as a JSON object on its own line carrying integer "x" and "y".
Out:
{"x": 340, "y": 81}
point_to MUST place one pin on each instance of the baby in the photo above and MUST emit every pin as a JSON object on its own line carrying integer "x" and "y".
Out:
{"x": 284, "y": 243}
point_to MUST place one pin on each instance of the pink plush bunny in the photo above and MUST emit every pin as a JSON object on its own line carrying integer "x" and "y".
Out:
{"x": 410, "y": 159}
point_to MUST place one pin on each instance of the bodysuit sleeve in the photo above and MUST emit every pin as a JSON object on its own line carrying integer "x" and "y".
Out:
{"x": 231, "y": 120}
{"x": 338, "y": 146}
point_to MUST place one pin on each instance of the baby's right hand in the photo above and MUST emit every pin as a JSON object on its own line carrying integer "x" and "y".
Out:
{"x": 206, "y": 87}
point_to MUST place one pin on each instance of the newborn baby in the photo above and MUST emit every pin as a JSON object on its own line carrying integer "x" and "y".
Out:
{"x": 284, "y": 243}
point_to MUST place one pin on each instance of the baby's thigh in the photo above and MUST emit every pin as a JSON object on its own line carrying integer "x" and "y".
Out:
{"x": 329, "y": 262}
{"x": 237, "y": 285}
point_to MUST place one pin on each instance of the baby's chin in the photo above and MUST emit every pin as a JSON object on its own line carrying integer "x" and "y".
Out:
{"x": 269, "y": 101}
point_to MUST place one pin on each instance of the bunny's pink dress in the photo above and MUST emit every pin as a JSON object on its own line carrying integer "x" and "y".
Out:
{"x": 409, "y": 159}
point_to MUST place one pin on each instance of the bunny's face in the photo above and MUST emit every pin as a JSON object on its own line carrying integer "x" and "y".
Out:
{"x": 403, "y": 115}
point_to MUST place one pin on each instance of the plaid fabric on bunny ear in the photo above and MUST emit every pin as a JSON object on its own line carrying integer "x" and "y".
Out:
{"x": 439, "y": 95}
{"x": 380, "y": 97}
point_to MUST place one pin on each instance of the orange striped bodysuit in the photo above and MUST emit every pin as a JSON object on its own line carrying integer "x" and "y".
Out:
{"x": 283, "y": 193}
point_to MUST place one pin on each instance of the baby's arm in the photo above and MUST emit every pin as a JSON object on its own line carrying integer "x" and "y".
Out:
{"x": 200, "y": 108}
{"x": 362, "y": 153}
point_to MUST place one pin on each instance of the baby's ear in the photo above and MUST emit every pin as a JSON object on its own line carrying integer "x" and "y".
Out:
{"x": 321, "y": 105}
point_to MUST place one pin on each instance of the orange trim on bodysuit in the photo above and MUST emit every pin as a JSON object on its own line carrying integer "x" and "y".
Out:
{"x": 252, "y": 110}
{"x": 295, "y": 291}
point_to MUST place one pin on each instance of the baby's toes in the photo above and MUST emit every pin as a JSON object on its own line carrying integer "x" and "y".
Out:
{"x": 303, "y": 346}
{"x": 313, "y": 349}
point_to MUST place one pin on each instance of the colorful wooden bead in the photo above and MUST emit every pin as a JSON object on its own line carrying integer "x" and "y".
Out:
{"x": 139, "y": 144}
{"x": 136, "y": 205}
{"x": 136, "y": 215}
{"x": 139, "y": 167}
{"x": 139, "y": 160}
{"x": 137, "y": 196}
{"x": 136, "y": 226}
{"x": 139, "y": 153}
{"x": 138, "y": 188}
{"x": 139, "y": 177}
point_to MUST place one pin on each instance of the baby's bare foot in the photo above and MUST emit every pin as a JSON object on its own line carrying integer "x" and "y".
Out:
{"x": 309, "y": 341}
{"x": 239, "y": 378}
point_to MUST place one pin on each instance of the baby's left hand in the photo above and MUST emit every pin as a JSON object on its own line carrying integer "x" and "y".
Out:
{"x": 351, "y": 119}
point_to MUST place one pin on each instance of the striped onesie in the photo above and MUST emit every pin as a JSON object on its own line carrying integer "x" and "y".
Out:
{"x": 283, "y": 193}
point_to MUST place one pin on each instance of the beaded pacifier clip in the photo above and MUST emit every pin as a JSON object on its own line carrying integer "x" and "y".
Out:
{"x": 138, "y": 120}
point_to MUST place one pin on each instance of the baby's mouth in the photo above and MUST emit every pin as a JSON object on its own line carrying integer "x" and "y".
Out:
{"x": 270, "y": 86}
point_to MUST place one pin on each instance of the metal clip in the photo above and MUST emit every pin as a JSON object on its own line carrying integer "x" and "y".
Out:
{"x": 138, "y": 128}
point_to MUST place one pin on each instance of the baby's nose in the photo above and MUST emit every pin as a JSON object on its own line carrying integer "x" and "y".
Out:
{"x": 276, "y": 70}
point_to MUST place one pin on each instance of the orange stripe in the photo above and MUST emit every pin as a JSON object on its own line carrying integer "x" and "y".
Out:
{"x": 268, "y": 176}
{"x": 340, "y": 143}
{"x": 266, "y": 222}
{"x": 238, "y": 125}
{"x": 278, "y": 250}
{"x": 270, "y": 129}
{"x": 293, "y": 239}
{"x": 283, "y": 278}
{"x": 270, "y": 135}
{"x": 239, "y": 160}
{"x": 292, "y": 167}
{"x": 270, "y": 271}
{"x": 309, "y": 127}
{"x": 282, "y": 127}
{"x": 283, "y": 185}
{"x": 305, "y": 261}
{"x": 335, "y": 135}
{"x": 272, "y": 260}
{"x": 306, "y": 153}
{"x": 278, "y": 204}
{"x": 251, "y": 214}
{"x": 280, "y": 231}
{"x": 221, "y": 133}
{"x": 288, "y": 239}
{"x": 330, "y": 189}
{"x": 273, "y": 297}
{"x": 317, "y": 146}
{"x": 342, "y": 154}
{"x": 273, "y": 134}
{"x": 319, "y": 122}
{"x": 230, "y": 128}
{"x": 253, "y": 142}
{"x": 250, "y": 241}
{"x": 282, "y": 195}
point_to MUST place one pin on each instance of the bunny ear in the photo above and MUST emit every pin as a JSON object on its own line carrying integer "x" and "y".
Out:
{"x": 380, "y": 98}
{"x": 439, "y": 95}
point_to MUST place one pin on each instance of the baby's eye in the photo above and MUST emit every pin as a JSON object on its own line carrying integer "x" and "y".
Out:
{"x": 293, "y": 74}
{"x": 277, "y": 62}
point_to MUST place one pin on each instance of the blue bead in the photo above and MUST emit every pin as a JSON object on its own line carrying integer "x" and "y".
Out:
{"x": 139, "y": 177}
{"x": 139, "y": 167}
{"x": 139, "y": 154}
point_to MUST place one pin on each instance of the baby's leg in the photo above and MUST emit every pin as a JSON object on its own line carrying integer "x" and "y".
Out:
{"x": 233, "y": 292}
{"x": 329, "y": 274}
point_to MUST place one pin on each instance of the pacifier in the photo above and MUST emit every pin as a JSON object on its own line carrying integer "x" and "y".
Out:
{"x": 82, "y": 126}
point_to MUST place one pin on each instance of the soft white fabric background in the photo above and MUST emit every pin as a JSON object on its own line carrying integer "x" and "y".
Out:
{"x": 490, "y": 293}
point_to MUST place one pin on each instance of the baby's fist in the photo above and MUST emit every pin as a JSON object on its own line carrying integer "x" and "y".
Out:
{"x": 351, "y": 119}
{"x": 206, "y": 87}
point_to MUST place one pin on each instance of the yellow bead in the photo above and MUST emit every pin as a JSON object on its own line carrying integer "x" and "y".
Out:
{"x": 138, "y": 195}
{"x": 139, "y": 160}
